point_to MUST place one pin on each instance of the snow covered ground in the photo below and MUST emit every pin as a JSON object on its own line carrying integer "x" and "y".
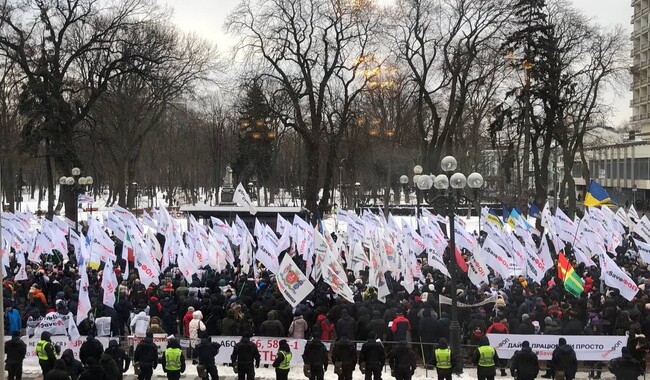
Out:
{"x": 226, "y": 373}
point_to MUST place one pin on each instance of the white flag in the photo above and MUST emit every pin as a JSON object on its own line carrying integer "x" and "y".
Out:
{"x": 616, "y": 278}
{"x": 644, "y": 250}
{"x": 643, "y": 229}
{"x": 292, "y": 283}
{"x": 109, "y": 283}
{"x": 497, "y": 258}
{"x": 84, "y": 306}
{"x": 241, "y": 197}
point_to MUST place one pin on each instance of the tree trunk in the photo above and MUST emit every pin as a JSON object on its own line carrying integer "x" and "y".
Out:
{"x": 121, "y": 184}
{"x": 50, "y": 182}
{"x": 332, "y": 153}
{"x": 311, "y": 184}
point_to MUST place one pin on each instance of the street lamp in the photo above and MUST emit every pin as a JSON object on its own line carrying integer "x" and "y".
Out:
{"x": 78, "y": 186}
{"x": 452, "y": 183}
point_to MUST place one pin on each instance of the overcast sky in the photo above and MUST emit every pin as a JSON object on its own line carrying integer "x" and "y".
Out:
{"x": 206, "y": 18}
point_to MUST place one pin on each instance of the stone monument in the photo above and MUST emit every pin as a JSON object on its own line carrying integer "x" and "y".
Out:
{"x": 227, "y": 191}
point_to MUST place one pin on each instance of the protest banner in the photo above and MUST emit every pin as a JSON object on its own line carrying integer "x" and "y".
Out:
{"x": 590, "y": 348}
{"x": 58, "y": 340}
{"x": 159, "y": 340}
{"x": 268, "y": 348}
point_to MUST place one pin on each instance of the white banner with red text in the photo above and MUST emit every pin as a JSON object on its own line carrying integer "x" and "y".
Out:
{"x": 61, "y": 341}
{"x": 587, "y": 347}
{"x": 268, "y": 348}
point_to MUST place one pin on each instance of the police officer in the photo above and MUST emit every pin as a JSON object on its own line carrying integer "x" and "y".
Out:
{"x": 282, "y": 362}
{"x": 344, "y": 357}
{"x": 46, "y": 353}
{"x": 524, "y": 364}
{"x": 315, "y": 358}
{"x": 173, "y": 361}
{"x": 443, "y": 360}
{"x": 246, "y": 357}
{"x": 373, "y": 357}
{"x": 146, "y": 357}
{"x": 16, "y": 350}
{"x": 485, "y": 357}
{"x": 206, "y": 351}
{"x": 402, "y": 361}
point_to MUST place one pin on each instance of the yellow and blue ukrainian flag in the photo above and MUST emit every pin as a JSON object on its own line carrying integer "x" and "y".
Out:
{"x": 597, "y": 196}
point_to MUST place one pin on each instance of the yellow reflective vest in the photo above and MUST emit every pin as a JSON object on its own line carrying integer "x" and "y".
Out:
{"x": 286, "y": 363}
{"x": 173, "y": 359}
{"x": 486, "y": 358}
{"x": 40, "y": 350}
{"x": 443, "y": 358}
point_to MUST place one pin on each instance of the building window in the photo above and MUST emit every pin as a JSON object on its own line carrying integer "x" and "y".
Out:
{"x": 577, "y": 170}
{"x": 641, "y": 168}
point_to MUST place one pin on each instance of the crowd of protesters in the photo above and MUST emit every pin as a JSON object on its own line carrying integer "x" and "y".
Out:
{"x": 232, "y": 303}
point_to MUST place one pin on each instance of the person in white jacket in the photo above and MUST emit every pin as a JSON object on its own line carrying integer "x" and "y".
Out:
{"x": 140, "y": 324}
{"x": 196, "y": 325}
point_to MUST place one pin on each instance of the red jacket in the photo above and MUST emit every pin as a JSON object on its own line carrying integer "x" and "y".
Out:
{"x": 498, "y": 328}
{"x": 326, "y": 327}
{"x": 186, "y": 322}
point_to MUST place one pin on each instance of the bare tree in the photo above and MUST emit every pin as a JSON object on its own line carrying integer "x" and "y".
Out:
{"x": 311, "y": 48}
{"x": 441, "y": 42}
{"x": 50, "y": 41}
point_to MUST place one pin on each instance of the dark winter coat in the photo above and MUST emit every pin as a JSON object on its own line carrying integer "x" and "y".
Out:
{"x": 16, "y": 350}
{"x": 91, "y": 348}
{"x": 117, "y": 353}
{"x": 345, "y": 327}
{"x": 373, "y": 354}
{"x": 402, "y": 358}
{"x": 59, "y": 372}
{"x": 564, "y": 359}
{"x": 428, "y": 328}
{"x": 272, "y": 327}
{"x": 246, "y": 354}
{"x": 573, "y": 327}
{"x": 206, "y": 351}
{"x": 94, "y": 372}
{"x": 315, "y": 354}
{"x": 72, "y": 365}
{"x": 345, "y": 352}
{"x": 625, "y": 367}
{"x": 378, "y": 326}
{"x": 109, "y": 366}
{"x": 146, "y": 352}
{"x": 525, "y": 328}
{"x": 524, "y": 364}
{"x": 229, "y": 326}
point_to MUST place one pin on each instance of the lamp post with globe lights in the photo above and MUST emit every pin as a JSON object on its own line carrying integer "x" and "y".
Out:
{"x": 452, "y": 184}
{"x": 78, "y": 186}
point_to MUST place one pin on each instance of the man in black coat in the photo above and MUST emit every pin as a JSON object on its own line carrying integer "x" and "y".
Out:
{"x": 373, "y": 356}
{"x": 524, "y": 364}
{"x": 72, "y": 365}
{"x": 526, "y": 326}
{"x": 146, "y": 355}
{"x": 564, "y": 359}
{"x": 402, "y": 361}
{"x": 428, "y": 330}
{"x": 246, "y": 357}
{"x": 16, "y": 350}
{"x": 91, "y": 348}
{"x": 377, "y": 325}
{"x": 206, "y": 351}
{"x": 315, "y": 355}
{"x": 344, "y": 356}
{"x": 345, "y": 326}
{"x": 121, "y": 358}
{"x": 625, "y": 367}
{"x": 59, "y": 372}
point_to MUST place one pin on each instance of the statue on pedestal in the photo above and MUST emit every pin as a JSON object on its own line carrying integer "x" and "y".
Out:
{"x": 228, "y": 190}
